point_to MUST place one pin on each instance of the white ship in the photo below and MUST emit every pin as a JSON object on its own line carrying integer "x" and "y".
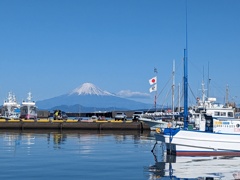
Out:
{"x": 28, "y": 108}
{"x": 11, "y": 109}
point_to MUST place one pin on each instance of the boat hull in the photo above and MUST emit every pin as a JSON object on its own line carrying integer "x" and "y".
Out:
{"x": 154, "y": 124}
{"x": 197, "y": 143}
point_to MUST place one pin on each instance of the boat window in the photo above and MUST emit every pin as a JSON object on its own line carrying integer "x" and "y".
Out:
{"x": 216, "y": 113}
{"x": 223, "y": 113}
{"x": 230, "y": 114}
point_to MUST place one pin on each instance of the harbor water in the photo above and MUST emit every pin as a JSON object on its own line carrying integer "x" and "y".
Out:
{"x": 101, "y": 155}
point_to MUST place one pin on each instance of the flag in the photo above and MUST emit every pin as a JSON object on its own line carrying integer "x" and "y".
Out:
{"x": 153, "y": 80}
{"x": 153, "y": 88}
{"x": 155, "y": 70}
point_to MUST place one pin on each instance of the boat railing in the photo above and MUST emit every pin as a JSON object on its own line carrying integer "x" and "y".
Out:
{"x": 160, "y": 115}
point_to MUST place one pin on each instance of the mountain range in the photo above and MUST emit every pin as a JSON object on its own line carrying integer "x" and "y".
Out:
{"x": 89, "y": 98}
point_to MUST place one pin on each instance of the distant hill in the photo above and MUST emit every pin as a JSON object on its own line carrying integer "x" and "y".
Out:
{"x": 89, "y": 98}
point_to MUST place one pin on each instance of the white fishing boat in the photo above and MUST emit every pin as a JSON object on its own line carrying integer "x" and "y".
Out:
{"x": 204, "y": 106}
{"x": 160, "y": 120}
{"x": 209, "y": 107}
{"x": 11, "y": 108}
{"x": 28, "y": 108}
{"x": 182, "y": 142}
{"x": 216, "y": 136}
{"x": 195, "y": 118}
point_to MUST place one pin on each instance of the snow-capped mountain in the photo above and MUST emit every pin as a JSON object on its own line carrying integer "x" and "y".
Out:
{"x": 89, "y": 95}
{"x": 90, "y": 89}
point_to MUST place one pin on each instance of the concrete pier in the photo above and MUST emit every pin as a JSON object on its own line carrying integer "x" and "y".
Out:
{"x": 21, "y": 125}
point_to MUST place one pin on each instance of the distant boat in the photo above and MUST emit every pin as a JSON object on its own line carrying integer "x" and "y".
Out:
{"x": 216, "y": 136}
{"x": 11, "y": 108}
{"x": 159, "y": 120}
{"x": 28, "y": 108}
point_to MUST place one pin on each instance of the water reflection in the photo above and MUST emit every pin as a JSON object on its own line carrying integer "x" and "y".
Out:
{"x": 12, "y": 140}
{"x": 76, "y": 154}
{"x": 58, "y": 139}
{"x": 194, "y": 168}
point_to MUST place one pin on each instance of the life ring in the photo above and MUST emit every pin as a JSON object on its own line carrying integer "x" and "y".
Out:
{"x": 158, "y": 130}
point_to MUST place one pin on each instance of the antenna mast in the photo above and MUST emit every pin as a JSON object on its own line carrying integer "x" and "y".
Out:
{"x": 208, "y": 82}
{"x": 227, "y": 103}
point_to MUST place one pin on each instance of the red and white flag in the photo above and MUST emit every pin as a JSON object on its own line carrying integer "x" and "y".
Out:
{"x": 153, "y": 88}
{"x": 153, "y": 80}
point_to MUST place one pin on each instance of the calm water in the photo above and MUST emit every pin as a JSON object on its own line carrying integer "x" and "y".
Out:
{"x": 107, "y": 155}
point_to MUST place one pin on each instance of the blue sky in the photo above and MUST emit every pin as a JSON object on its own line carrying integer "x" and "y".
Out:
{"x": 50, "y": 47}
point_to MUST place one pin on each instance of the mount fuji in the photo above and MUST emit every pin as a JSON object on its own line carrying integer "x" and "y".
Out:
{"x": 88, "y": 98}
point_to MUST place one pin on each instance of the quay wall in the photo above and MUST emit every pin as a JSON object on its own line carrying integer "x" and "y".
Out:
{"x": 75, "y": 125}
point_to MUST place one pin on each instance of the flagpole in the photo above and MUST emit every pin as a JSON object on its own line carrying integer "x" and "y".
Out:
{"x": 155, "y": 98}
{"x": 153, "y": 83}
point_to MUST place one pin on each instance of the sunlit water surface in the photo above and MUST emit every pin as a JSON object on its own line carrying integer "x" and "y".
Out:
{"x": 102, "y": 155}
{"x": 77, "y": 155}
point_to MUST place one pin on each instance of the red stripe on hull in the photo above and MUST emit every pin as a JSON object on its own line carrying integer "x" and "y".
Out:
{"x": 209, "y": 153}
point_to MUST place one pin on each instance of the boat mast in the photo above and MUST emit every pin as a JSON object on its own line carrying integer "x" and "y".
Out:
{"x": 173, "y": 86}
{"x": 179, "y": 98}
{"x": 185, "y": 90}
{"x": 155, "y": 98}
{"x": 227, "y": 103}
{"x": 203, "y": 92}
{"x": 29, "y": 98}
{"x": 185, "y": 115}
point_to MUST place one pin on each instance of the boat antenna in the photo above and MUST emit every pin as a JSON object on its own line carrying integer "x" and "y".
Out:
{"x": 227, "y": 90}
{"x": 185, "y": 115}
{"x": 208, "y": 82}
{"x": 203, "y": 89}
{"x": 179, "y": 109}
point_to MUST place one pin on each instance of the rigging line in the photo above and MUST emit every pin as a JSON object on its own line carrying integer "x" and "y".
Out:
{"x": 164, "y": 87}
{"x": 166, "y": 98}
{"x": 151, "y": 108}
{"x": 217, "y": 87}
{"x": 164, "y": 101}
{"x": 191, "y": 91}
{"x": 181, "y": 62}
{"x": 180, "y": 65}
